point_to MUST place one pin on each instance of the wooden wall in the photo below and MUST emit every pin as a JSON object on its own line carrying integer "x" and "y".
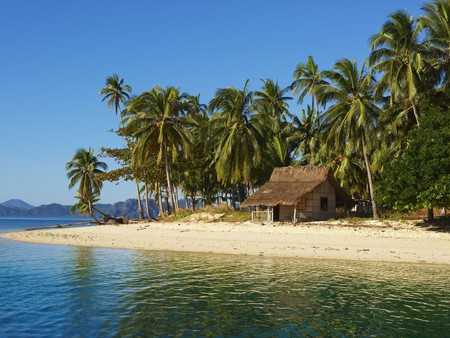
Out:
{"x": 309, "y": 206}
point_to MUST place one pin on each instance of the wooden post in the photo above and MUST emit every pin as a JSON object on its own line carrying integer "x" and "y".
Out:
{"x": 295, "y": 214}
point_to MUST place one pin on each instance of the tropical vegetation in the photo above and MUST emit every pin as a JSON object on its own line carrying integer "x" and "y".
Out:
{"x": 364, "y": 118}
{"x": 84, "y": 169}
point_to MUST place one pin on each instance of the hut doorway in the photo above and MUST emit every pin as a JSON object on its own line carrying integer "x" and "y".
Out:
{"x": 276, "y": 213}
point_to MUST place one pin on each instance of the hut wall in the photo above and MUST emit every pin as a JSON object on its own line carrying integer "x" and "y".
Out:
{"x": 324, "y": 190}
{"x": 304, "y": 209}
{"x": 309, "y": 207}
{"x": 286, "y": 212}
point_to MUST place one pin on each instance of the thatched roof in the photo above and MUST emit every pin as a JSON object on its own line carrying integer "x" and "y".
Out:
{"x": 288, "y": 185}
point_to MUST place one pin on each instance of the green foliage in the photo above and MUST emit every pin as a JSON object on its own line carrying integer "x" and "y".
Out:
{"x": 85, "y": 169}
{"x": 420, "y": 177}
{"x": 237, "y": 141}
{"x": 115, "y": 92}
{"x": 357, "y": 123}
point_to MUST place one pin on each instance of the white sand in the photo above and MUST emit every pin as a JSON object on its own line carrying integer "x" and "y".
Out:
{"x": 376, "y": 241}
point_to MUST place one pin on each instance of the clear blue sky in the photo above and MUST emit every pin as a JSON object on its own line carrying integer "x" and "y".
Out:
{"x": 55, "y": 56}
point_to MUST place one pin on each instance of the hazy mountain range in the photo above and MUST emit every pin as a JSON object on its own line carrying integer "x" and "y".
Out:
{"x": 19, "y": 208}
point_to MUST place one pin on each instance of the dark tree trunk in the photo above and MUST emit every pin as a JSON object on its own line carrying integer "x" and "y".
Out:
{"x": 238, "y": 189}
{"x": 193, "y": 202}
{"x": 430, "y": 215}
{"x": 233, "y": 197}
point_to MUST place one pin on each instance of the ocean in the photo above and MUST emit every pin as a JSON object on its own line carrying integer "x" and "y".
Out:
{"x": 65, "y": 291}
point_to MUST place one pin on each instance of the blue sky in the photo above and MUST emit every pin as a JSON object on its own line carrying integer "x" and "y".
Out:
{"x": 55, "y": 56}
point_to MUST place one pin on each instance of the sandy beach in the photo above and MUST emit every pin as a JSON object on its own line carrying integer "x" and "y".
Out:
{"x": 375, "y": 241}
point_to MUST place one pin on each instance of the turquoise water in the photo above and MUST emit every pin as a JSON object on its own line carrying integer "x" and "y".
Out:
{"x": 55, "y": 291}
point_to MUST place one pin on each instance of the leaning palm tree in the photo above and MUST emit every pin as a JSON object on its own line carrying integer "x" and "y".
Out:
{"x": 155, "y": 120}
{"x": 236, "y": 140}
{"x": 306, "y": 78}
{"x": 116, "y": 92}
{"x": 398, "y": 54}
{"x": 436, "y": 23}
{"x": 350, "y": 119}
{"x": 84, "y": 169}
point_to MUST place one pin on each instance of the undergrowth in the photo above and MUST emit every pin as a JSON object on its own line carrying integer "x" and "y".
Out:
{"x": 230, "y": 215}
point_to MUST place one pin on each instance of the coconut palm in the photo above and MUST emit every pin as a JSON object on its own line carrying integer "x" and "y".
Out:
{"x": 397, "y": 54}
{"x": 306, "y": 78}
{"x": 116, "y": 92}
{"x": 436, "y": 23}
{"x": 305, "y": 135}
{"x": 155, "y": 120}
{"x": 350, "y": 119}
{"x": 272, "y": 102}
{"x": 237, "y": 141}
{"x": 84, "y": 169}
{"x": 271, "y": 120}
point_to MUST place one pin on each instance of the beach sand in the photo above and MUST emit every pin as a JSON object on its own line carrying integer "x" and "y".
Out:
{"x": 369, "y": 240}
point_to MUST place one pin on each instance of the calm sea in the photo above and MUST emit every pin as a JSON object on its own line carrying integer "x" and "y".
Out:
{"x": 62, "y": 291}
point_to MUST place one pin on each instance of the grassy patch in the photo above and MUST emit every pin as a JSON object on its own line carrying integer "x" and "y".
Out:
{"x": 230, "y": 215}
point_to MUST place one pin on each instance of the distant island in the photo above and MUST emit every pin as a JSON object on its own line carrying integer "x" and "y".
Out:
{"x": 19, "y": 208}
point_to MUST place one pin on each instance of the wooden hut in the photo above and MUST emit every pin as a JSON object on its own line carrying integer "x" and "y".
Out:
{"x": 299, "y": 193}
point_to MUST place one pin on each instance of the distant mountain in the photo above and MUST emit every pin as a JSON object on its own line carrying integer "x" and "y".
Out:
{"x": 128, "y": 209}
{"x": 50, "y": 210}
{"x": 5, "y": 211}
{"x": 17, "y": 204}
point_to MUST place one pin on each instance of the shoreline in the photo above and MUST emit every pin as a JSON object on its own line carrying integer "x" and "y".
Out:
{"x": 367, "y": 241}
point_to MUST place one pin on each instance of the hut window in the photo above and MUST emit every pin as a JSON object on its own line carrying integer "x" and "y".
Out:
{"x": 324, "y": 203}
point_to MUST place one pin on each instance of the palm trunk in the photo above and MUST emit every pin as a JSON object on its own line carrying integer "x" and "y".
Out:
{"x": 106, "y": 216}
{"x": 166, "y": 199}
{"x": 416, "y": 115}
{"x": 369, "y": 179}
{"x": 233, "y": 197}
{"x": 141, "y": 213}
{"x": 239, "y": 195}
{"x": 193, "y": 202}
{"x": 147, "y": 201}
{"x": 160, "y": 201}
{"x": 176, "y": 203}
{"x": 91, "y": 212}
{"x": 169, "y": 184}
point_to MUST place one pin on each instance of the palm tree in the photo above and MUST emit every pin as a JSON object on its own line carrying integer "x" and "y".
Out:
{"x": 236, "y": 140}
{"x": 84, "y": 169}
{"x": 352, "y": 114}
{"x": 398, "y": 54}
{"x": 436, "y": 23}
{"x": 305, "y": 135}
{"x": 306, "y": 79}
{"x": 116, "y": 92}
{"x": 271, "y": 121}
{"x": 272, "y": 102}
{"x": 155, "y": 120}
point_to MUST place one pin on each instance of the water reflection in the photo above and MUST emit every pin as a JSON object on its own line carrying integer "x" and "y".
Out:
{"x": 221, "y": 295}
{"x": 76, "y": 291}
